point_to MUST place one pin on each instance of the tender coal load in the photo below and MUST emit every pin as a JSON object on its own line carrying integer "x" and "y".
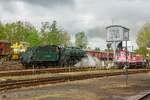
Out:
{"x": 52, "y": 55}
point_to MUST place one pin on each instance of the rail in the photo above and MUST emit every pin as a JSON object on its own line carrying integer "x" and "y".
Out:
{"x": 13, "y": 84}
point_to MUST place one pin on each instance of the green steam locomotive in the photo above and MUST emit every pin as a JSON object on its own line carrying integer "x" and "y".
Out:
{"x": 51, "y": 55}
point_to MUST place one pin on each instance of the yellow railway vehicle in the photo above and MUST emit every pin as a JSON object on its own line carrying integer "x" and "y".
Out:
{"x": 17, "y": 49}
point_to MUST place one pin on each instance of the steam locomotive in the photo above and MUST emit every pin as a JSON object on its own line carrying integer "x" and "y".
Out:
{"x": 51, "y": 55}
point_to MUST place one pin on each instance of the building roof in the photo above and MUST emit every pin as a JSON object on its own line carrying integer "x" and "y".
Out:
{"x": 117, "y": 26}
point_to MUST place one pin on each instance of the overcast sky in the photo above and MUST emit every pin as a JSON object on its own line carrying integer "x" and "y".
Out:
{"x": 91, "y": 16}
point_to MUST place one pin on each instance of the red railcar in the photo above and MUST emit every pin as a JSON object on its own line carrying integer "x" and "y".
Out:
{"x": 133, "y": 59}
{"x": 101, "y": 55}
{"x": 5, "y": 48}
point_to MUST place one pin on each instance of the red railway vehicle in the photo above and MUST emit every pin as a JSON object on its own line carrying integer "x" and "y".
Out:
{"x": 5, "y": 49}
{"x": 101, "y": 55}
{"x": 133, "y": 59}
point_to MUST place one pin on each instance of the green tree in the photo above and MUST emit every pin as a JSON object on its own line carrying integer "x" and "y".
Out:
{"x": 65, "y": 39}
{"x": 97, "y": 49}
{"x": 14, "y": 31}
{"x": 45, "y": 29}
{"x": 142, "y": 50}
{"x": 2, "y": 32}
{"x": 52, "y": 35}
{"x": 33, "y": 39}
{"x": 143, "y": 37}
{"x": 81, "y": 40}
{"x": 19, "y": 32}
{"x": 25, "y": 32}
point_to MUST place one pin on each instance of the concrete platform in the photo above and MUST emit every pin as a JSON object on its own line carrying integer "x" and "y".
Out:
{"x": 106, "y": 88}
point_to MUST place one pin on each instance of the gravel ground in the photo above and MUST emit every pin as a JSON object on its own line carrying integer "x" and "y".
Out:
{"x": 44, "y": 75}
{"x": 107, "y": 88}
{"x": 11, "y": 65}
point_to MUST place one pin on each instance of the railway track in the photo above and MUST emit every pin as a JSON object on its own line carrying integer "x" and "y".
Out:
{"x": 14, "y": 84}
{"x": 46, "y": 70}
{"x": 141, "y": 96}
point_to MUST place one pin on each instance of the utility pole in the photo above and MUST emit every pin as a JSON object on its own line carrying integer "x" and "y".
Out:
{"x": 126, "y": 64}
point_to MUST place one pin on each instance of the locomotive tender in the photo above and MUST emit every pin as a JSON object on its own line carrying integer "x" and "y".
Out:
{"x": 51, "y": 55}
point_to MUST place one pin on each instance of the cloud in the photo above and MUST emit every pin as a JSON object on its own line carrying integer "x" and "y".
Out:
{"x": 96, "y": 42}
{"x": 8, "y": 6}
{"x": 97, "y": 32}
{"x": 50, "y": 3}
{"x": 91, "y": 16}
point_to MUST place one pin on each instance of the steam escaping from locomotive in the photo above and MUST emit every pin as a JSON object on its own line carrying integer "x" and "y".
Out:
{"x": 90, "y": 61}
